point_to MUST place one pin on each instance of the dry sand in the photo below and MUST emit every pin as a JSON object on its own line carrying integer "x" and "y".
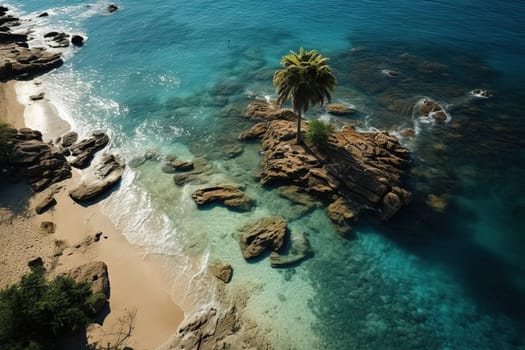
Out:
{"x": 138, "y": 281}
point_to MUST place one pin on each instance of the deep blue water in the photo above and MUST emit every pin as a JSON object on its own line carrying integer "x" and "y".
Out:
{"x": 173, "y": 76}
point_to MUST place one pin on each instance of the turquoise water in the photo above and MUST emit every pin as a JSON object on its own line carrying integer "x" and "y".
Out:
{"x": 173, "y": 77}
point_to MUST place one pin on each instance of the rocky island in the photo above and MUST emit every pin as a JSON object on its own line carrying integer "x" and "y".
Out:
{"x": 354, "y": 170}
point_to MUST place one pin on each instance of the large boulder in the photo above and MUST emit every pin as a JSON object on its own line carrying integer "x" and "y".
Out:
{"x": 96, "y": 274}
{"x": 265, "y": 234}
{"x": 106, "y": 175}
{"x": 229, "y": 195}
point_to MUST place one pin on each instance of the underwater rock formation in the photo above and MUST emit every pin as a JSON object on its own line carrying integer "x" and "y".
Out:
{"x": 229, "y": 195}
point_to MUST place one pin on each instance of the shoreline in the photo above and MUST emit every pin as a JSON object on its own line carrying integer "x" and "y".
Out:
{"x": 138, "y": 280}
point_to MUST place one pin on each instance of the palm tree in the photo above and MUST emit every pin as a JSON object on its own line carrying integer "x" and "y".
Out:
{"x": 305, "y": 80}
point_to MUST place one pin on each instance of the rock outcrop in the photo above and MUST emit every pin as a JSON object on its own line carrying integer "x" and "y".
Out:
{"x": 105, "y": 175}
{"x": 265, "y": 234}
{"x": 17, "y": 60}
{"x": 229, "y": 195}
{"x": 364, "y": 168}
{"x": 40, "y": 163}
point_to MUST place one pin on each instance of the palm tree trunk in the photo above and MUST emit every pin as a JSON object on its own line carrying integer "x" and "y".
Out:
{"x": 299, "y": 136}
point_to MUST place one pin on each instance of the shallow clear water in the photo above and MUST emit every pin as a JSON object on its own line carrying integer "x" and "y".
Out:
{"x": 173, "y": 77}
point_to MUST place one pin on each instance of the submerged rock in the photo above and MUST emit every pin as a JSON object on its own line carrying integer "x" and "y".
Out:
{"x": 298, "y": 251}
{"x": 230, "y": 195}
{"x": 438, "y": 203}
{"x": 265, "y": 234}
{"x": 297, "y": 195}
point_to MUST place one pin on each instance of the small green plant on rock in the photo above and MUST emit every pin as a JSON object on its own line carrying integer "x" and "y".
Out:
{"x": 319, "y": 132}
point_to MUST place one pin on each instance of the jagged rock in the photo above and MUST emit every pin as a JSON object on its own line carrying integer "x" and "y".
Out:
{"x": 106, "y": 174}
{"x": 112, "y": 8}
{"x": 45, "y": 204}
{"x": 341, "y": 212}
{"x": 265, "y": 234}
{"x": 262, "y": 110}
{"x": 47, "y": 227}
{"x": 338, "y": 109}
{"x": 229, "y": 195}
{"x": 298, "y": 251}
{"x": 222, "y": 271}
{"x": 35, "y": 263}
{"x": 84, "y": 151}
{"x": 96, "y": 274}
{"x": 77, "y": 40}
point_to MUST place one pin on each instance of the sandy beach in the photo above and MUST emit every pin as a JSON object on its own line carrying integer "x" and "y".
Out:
{"x": 138, "y": 281}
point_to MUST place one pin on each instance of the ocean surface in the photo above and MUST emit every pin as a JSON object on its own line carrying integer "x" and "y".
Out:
{"x": 172, "y": 77}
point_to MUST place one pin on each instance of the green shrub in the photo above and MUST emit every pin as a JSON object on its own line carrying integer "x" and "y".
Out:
{"x": 318, "y": 132}
{"x": 35, "y": 312}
